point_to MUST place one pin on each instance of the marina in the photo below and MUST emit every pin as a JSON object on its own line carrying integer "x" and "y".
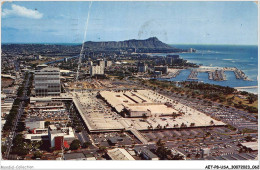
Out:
{"x": 172, "y": 73}
{"x": 217, "y": 74}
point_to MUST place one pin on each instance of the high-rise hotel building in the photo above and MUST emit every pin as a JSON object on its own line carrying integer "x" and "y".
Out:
{"x": 47, "y": 82}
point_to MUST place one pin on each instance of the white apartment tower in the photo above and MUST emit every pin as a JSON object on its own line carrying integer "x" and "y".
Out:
{"x": 96, "y": 70}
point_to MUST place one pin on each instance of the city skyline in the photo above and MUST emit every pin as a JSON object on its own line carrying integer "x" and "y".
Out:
{"x": 230, "y": 23}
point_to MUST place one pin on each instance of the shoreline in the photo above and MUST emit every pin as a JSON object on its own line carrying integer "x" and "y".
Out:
{"x": 249, "y": 89}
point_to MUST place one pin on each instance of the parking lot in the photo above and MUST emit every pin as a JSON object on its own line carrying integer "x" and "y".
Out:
{"x": 102, "y": 139}
{"x": 220, "y": 140}
{"x": 238, "y": 118}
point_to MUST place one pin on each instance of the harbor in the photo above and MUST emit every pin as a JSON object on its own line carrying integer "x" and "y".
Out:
{"x": 217, "y": 74}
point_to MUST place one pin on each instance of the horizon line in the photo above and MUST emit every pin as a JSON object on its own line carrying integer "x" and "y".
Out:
{"x": 101, "y": 41}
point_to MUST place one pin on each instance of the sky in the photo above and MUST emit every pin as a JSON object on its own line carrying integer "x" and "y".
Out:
{"x": 233, "y": 22}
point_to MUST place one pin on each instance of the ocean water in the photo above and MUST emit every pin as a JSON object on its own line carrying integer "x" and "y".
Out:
{"x": 242, "y": 57}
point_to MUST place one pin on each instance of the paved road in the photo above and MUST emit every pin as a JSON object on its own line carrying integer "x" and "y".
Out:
{"x": 18, "y": 116}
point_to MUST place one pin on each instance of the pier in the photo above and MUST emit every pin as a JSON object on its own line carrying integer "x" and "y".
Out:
{"x": 214, "y": 74}
{"x": 217, "y": 75}
{"x": 193, "y": 75}
{"x": 172, "y": 73}
{"x": 238, "y": 73}
{"x": 210, "y": 75}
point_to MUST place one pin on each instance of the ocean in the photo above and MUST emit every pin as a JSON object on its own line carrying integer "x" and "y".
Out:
{"x": 243, "y": 57}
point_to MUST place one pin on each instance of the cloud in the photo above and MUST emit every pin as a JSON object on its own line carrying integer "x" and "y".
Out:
{"x": 22, "y": 12}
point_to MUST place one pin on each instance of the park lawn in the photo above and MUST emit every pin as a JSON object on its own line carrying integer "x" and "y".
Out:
{"x": 38, "y": 62}
{"x": 244, "y": 101}
{"x": 45, "y": 60}
{"x": 129, "y": 61}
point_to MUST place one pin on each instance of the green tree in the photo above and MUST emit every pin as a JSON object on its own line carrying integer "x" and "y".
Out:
{"x": 249, "y": 138}
{"x": 75, "y": 144}
{"x": 189, "y": 155}
{"x": 21, "y": 126}
{"x": 192, "y": 124}
{"x": 144, "y": 116}
{"x": 21, "y": 151}
{"x": 86, "y": 144}
{"x": 47, "y": 124}
{"x": 251, "y": 98}
{"x": 79, "y": 129}
{"x": 3, "y": 148}
{"x": 160, "y": 142}
{"x": 37, "y": 154}
{"x": 102, "y": 149}
{"x": 162, "y": 152}
{"x": 197, "y": 155}
{"x": 178, "y": 157}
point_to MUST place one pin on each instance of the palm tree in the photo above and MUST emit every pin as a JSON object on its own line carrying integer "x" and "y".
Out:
{"x": 159, "y": 143}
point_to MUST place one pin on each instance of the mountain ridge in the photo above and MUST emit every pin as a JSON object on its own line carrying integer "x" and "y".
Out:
{"x": 152, "y": 42}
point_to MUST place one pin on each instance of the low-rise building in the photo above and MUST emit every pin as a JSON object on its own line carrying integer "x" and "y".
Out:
{"x": 119, "y": 154}
{"x": 205, "y": 152}
{"x": 34, "y": 123}
{"x": 90, "y": 157}
{"x": 145, "y": 153}
{"x": 251, "y": 145}
{"x": 157, "y": 73}
{"x": 37, "y": 137}
{"x": 163, "y": 69}
{"x": 177, "y": 152}
{"x": 74, "y": 156}
{"x": 9, "y": 91}
{"x": 58, "y": 136}
{"x": 113, "y": 141}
